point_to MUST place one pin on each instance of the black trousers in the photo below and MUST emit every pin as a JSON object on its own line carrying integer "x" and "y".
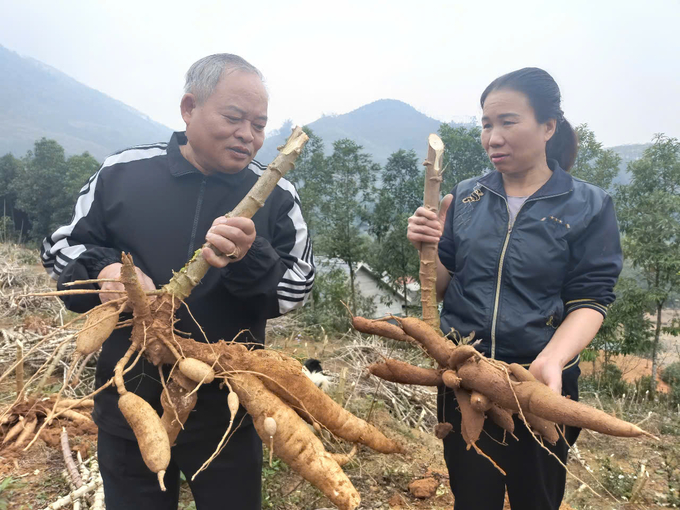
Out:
{"x": 534, "y": 479}
{"x": 232, "y": 481}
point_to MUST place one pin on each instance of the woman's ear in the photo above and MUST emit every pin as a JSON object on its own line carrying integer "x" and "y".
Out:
{"x": 550, "y": 128}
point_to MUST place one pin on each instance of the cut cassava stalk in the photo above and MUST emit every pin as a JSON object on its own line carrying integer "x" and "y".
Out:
{"x": 428, "y": 251}
{"x": 183, "y": 282}
{"x": 400, "y": 372}
{"x": 294, "y": 442}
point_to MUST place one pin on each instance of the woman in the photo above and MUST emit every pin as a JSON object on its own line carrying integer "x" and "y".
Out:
{"x": 528, "y": 259}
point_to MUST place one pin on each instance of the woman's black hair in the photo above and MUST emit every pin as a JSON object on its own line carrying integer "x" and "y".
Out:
{"x": 545, "y": 98}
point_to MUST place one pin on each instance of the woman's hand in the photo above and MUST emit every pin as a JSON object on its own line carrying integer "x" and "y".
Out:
{"x": 426, "y": 226}
{"x": 549, "y": 372}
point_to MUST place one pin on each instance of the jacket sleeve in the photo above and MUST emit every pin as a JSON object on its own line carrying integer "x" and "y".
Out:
{"x": 447, "y": 252}
{"x": 79, "y": 250}
{"x": 595, "y": 263}
{"x": 279, "y": 272}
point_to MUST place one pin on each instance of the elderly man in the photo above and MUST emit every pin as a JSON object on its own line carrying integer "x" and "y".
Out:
{"x": 157, "y": 202}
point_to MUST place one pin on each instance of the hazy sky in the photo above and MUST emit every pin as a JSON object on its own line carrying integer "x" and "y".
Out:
{"x": 617, "y": 62}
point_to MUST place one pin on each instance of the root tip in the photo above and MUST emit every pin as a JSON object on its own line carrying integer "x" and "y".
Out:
{"x": 161, "y": 475}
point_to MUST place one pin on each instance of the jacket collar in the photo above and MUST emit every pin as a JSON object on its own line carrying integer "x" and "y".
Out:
{"x": 179, "y": 166}
{"x": 560, "y": 182}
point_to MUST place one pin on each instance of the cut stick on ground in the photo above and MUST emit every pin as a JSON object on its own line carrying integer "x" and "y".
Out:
{"x": 428, "y": 251}
{"x": 20, "y": 368}
{"x": 71, "y": 498}
{"x": 50, "y": 368}
{"x": 71, "y": 468}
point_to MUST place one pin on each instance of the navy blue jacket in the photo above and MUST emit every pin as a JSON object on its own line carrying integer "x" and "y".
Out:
{"x": 513, "y": 284}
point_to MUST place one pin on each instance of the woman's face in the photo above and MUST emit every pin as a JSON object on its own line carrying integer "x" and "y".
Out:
{"x": 511, "y": 136}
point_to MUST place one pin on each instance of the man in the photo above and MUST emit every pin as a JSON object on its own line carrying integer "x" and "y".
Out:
{"x": 157, "y": 202}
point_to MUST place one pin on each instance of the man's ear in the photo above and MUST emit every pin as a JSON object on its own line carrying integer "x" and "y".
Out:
{"x": 187, "y": 106}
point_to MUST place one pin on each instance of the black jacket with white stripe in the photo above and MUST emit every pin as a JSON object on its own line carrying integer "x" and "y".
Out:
{"x": 152, "y": 203}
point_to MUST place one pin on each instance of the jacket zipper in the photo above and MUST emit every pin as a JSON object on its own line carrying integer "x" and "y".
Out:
{"x": 511, "y": 224}
{"x": 199, "y": 205}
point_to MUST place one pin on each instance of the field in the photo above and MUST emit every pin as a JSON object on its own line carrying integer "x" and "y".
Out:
{"x": 618, "y": 470}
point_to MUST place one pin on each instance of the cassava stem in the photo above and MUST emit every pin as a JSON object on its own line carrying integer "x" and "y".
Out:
{"x": 183, "y": 282}
{"x": 428, "y": 251}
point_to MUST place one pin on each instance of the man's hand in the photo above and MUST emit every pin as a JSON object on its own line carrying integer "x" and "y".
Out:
{"x": 112, "y": 271}
{"x": 232, "y": 236}
{"x": 426, "y": 226}
{"x": 548, "y": 372}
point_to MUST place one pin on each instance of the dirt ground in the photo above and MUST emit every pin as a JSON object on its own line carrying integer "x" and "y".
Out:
{"x": 610, "y": 466}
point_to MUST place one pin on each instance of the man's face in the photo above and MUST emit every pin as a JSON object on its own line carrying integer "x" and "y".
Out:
{"x": 227, "y": 129}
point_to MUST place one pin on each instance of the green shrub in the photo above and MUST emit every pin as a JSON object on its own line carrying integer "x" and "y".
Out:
{"x": 671, "y": 374}
{"x": 612, "y": 382}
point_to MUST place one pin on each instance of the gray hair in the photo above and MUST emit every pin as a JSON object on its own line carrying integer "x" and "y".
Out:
{"x": 204, "y": 75}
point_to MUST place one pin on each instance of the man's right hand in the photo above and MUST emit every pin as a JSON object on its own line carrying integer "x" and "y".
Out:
{"x": 426, "y": 226}
{"x": 112, "y": 272}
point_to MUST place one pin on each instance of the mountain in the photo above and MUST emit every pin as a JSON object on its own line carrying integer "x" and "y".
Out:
{"x": 381, "y": 128}
{"x": 628, "y": 153}
{"x": 40, "y": 101}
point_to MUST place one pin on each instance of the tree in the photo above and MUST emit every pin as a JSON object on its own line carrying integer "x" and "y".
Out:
{"x": 78, "y": 170}
{"x": 594, "y": 164}
{"x": 626, "y": 330}
{"x": 308, "y": 177}
{"x": 347, "y": 188}
{"x": 47, "y": 185}
{"x": 464, "y": 156}
{"x": 649, "y": 216}
{"x": 400, "y": 195}
{"x": 9, "y": 168}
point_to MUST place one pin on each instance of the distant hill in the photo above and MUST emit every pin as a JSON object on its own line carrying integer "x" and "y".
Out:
{"x": 381, "y": 128}
{"x": 628, "y": 153}
{"x": 40, "y": 101}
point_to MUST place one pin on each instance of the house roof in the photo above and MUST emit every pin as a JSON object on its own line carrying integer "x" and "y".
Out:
{"x": 326, "y": 264}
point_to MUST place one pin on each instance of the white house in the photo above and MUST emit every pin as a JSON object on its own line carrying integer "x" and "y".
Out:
{"x": 371, "y": 285}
